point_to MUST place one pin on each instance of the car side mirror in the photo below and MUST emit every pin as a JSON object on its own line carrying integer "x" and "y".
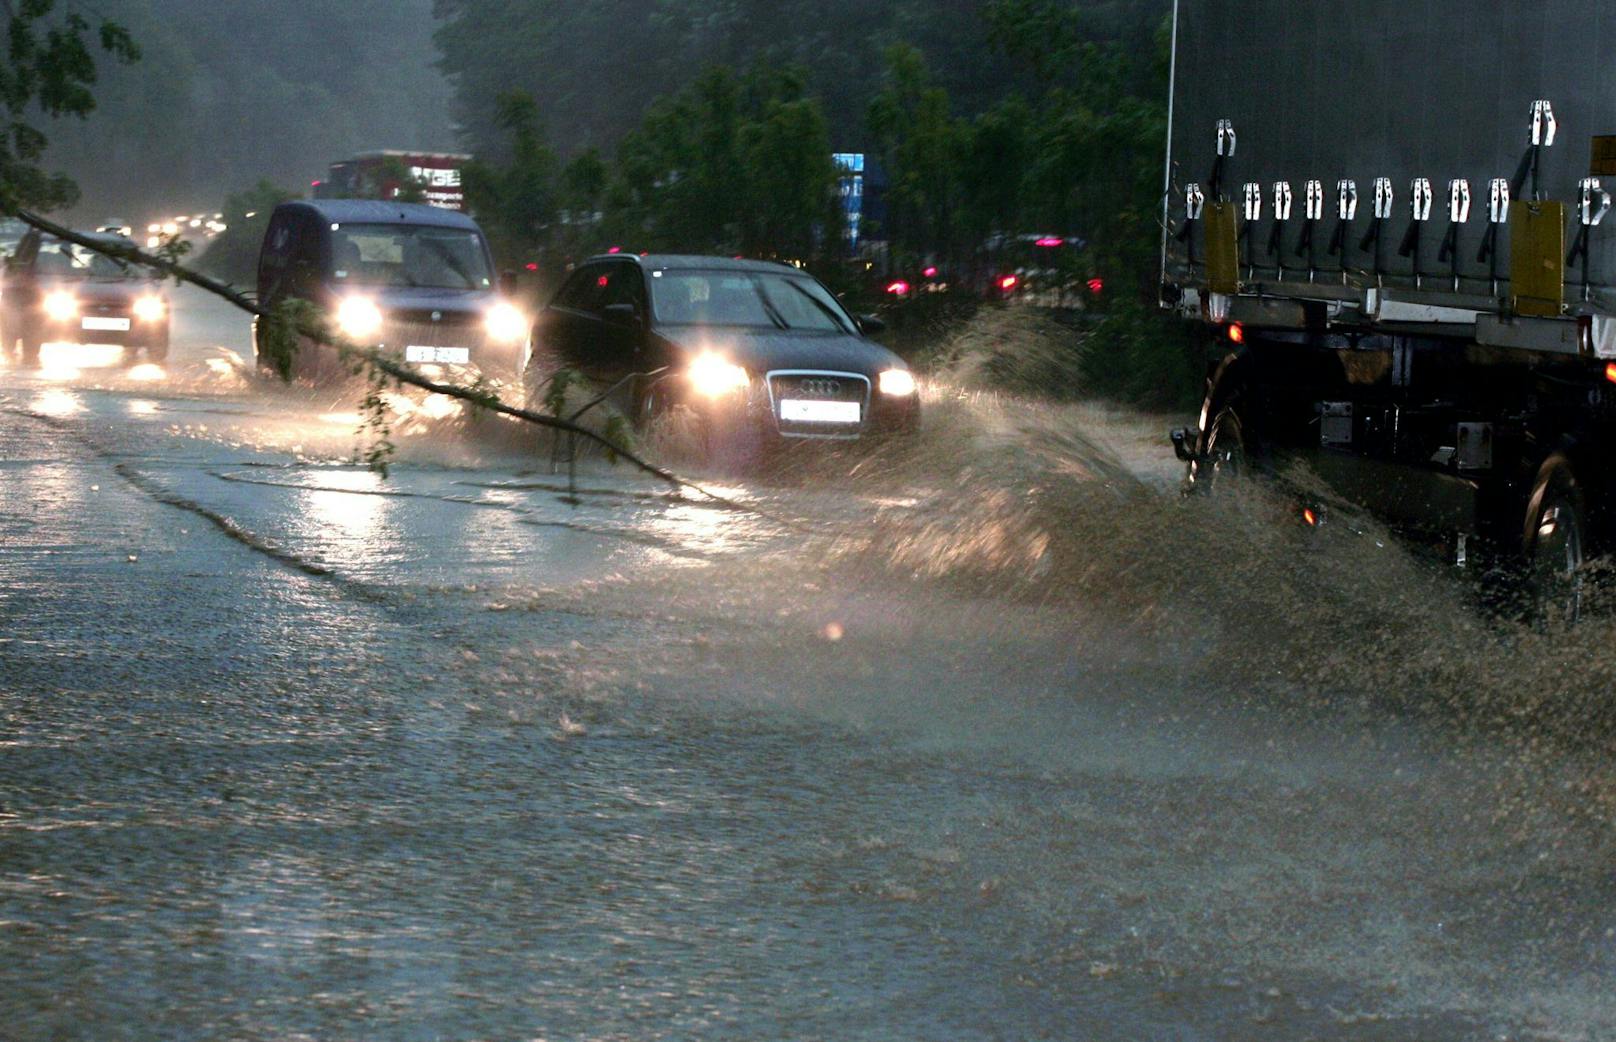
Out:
{"x": 872, "y": 324}
{"x": 625, "y": 315}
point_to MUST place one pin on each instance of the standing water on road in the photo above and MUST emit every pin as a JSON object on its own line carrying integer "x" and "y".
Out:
{"x": 983, "y": 735}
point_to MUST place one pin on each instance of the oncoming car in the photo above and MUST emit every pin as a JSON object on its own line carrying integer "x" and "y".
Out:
{"x": 763, "y": 345}
{"x": 58, "y": 292}
{"x": 414, "y": 281}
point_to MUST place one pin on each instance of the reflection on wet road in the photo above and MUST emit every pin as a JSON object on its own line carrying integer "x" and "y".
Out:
{"x": 291, "y": 751}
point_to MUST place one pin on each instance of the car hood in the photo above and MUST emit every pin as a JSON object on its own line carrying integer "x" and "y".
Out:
{"x": 768, "y": 350}
{"x": 111, "y": 291}
{"x": 408, "y": 298}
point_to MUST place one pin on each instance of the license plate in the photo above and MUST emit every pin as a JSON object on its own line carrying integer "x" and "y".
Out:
{"x": 797, "y": 411}
{"x": 107, "y": 325}
{"x": 438, "y": 355}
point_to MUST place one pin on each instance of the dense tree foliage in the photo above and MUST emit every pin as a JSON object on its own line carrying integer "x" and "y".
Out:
{"x": 48, "y": 70}
{"x": 595, "y": 66}
{"x": 230, "y": 93}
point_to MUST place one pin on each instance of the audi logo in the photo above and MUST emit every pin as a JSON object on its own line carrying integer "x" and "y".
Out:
{"x": 820, "y": 387}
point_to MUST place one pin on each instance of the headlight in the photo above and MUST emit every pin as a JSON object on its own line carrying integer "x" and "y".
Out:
{"x": 150, "y": 309}
{"x": 899, "y": 383}
{"x": 506, "y": 323}
{"x": 358, "y": 318}
{"x": 713, "y": 376}
{"x": 61, "y": 305}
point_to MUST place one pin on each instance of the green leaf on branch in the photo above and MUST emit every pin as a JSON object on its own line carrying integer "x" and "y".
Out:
{"x": 280, "y": 331}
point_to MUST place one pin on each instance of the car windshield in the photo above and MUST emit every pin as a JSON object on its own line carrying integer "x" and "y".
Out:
{"x": 742, "y": 298}
{"x": 409, "y": 255}
{"x": 69, "y": 260}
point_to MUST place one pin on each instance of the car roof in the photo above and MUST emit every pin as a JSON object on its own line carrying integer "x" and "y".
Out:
{"x": 375, "y": 211}
{"x": 690, "y": 261}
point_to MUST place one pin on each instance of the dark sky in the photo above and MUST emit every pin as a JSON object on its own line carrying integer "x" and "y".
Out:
{"x": 228, "y": 93}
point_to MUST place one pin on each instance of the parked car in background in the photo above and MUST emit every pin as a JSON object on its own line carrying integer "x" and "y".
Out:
{"x": 758, "y": 344}
{"x": 415, "y": 281}
{"x": 59, "y": 292}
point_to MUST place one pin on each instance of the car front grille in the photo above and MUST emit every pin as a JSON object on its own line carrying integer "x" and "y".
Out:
{"x": 819, "y": 387}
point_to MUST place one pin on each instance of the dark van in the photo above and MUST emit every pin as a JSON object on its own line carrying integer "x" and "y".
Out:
{"x": 414, "y": 281}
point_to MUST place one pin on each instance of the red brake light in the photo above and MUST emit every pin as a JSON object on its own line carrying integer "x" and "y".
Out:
{"x": 1096, "y": 286}
{"x": 615, "y": 249}
{"x": 930, "y": 273}
{"x": 1310, "y": 517}
{"x": 1009, "y": 282}
{"x": 532, "y": 266}
{"x": 1237, "y": 333}
{"x": 898, "y": 288}
{"x": 1050, "y": 241}
{"x": 603, "y": 281}
{"x": 1610, "y": 372}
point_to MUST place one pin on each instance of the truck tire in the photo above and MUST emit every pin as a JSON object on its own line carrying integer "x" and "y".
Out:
{"x": 1554, "y": 542}
{"x": 1226, "y": 457}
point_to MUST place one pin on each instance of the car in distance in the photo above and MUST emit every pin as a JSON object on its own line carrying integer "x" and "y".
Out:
{"x": 54, "y": 291}
{"x": 762, "y": 344}
{"x": 413, "y": 281}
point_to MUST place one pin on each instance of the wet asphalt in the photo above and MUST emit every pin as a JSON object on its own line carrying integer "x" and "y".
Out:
{"x": 288, "y": 751}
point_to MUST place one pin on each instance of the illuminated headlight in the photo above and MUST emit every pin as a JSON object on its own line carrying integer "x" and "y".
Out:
{"x": 150, "y": 309}
{"x": 358, "y": 318}
{"x": 61, "y": 306}
{"x": 713, "y": 376}
{"x": 899, "y": 383}
{"x": 506, "y": 323}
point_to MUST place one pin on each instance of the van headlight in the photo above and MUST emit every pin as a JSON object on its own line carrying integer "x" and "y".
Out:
{"x": 150, "y": 309}
{"x": 358, "y": 318}
{"x": 506, "y": 323}
{"x": 713, "y": 376}
{"x": 61, "y": 306}
{"x": 899, "y": 383}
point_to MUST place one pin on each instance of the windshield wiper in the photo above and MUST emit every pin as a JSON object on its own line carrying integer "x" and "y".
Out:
{"x": 448, "y": 258}
{"x": 768, "y": 305}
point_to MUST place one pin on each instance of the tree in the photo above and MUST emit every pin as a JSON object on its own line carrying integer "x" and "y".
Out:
{"x": 49, "y": 64}
{"x": 233, "y": 256}
{"x": 920, "y": 144}
{"x": 516, "y": 200}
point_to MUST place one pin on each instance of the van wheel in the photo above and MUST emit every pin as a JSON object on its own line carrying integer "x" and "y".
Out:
{"x": 1555, "y": 541}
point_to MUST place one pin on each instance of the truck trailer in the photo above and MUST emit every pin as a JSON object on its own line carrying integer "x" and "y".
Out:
{"x": 1390, "y": 219}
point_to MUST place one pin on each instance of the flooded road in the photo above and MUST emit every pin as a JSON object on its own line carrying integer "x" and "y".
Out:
{"x": 980, "y": 738}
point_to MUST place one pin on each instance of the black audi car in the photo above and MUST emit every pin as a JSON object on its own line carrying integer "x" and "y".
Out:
{"x": 413, "y": 280}
{"x": 57, "y": 292}
{"x": 762, "y": 342}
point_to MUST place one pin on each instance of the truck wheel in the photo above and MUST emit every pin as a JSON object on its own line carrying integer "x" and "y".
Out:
{"x": 1226, "y": 459}
{"x": 29, "y": 353}
{"x": 1555, "y": 541}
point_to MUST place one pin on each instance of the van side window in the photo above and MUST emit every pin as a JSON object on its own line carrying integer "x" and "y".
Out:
{"x": 275, "y": 256}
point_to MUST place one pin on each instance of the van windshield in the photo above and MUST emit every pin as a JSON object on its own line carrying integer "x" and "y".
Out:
{"x": 409, "y": 255}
